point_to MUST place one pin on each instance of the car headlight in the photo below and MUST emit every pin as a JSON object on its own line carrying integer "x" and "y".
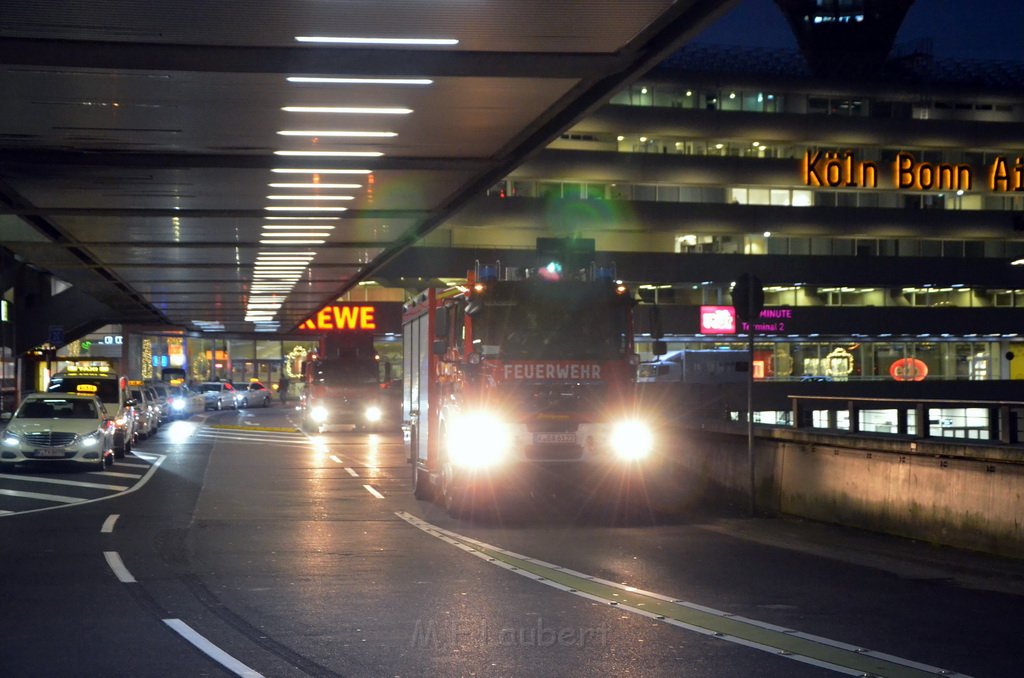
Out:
{"x": 178, "y": 403}
{"x": 91, "y": 440}
{"x": 631, "y": 440}
{"x": 373, "y": 414}
{"x": 11, "y": 440}
{"x": 319, "y": 414}
{"x": 478, "y": 440}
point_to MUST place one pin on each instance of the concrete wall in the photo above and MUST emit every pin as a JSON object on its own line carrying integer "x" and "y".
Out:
{"x": 966, "y": 497}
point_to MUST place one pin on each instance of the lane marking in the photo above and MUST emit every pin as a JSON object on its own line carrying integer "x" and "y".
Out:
{"x": 120, "y": 571}
{"x": 115, "y": 474}
{"x": 336, "y": 459}
{"x": 158, "y": 459}
{"x": 373, "y": 491}
{"x": 122, "y": 464}
{"x": 67, "y": 483}
{"x": 352, "y": 472}
{"x": 108, "y": 524}
{"x": 788, "y": 643}
{"x": 6, "y": 513}
{"x": 253, "y": 427}
{"x": 212, "y": 651}
{"x": 43, "y": 496}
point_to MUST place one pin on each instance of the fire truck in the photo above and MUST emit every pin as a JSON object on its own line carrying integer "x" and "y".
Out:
{"x": 518, "y": 384}
{"x": 343, "y": 390}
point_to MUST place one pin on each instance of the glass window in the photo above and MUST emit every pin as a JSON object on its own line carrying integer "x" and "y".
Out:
{"x": 645, "y": 192}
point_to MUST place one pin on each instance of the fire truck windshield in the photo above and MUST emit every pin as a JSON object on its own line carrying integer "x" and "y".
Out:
{"x": 332, "y": 372}
{"x": 551, "y": 322}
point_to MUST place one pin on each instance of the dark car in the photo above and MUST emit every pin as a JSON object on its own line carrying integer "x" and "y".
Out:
{"x": 255, "y": 394}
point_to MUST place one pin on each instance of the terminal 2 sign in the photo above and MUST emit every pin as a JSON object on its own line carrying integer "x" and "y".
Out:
{"x": 833, "y": 169}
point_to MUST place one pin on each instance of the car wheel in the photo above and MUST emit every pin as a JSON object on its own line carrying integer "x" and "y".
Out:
{"x": 245, "y": 402}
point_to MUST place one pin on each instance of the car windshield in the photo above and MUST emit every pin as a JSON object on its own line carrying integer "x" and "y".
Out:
{"x": 105, "y": 389}
{"x": 214, "y": 386}
{"x": 340, "y": 372}
{"x": 58, "y": 408}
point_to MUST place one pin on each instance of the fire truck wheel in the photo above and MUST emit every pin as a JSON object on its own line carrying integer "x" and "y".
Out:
{"x": 453, "y": 493}
{"x": 421, "y": 486}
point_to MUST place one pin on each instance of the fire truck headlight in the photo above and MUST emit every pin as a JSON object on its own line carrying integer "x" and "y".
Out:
{"x": 478, "y": 440}
{"x": 632, "y": 440}
{"x": 373, "y": 414}
{"x": 318, "y": 414}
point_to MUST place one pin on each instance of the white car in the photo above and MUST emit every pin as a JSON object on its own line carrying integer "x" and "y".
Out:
{"x": 58, "y": 427}
{"x": 219, "y": 394}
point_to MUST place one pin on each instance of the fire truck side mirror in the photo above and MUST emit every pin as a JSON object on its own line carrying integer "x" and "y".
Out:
{"x": 439, "y": 347}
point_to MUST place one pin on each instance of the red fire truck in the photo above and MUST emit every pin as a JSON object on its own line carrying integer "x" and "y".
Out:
{"x": 345, "y": 382}
{"x": 513, "y": 386}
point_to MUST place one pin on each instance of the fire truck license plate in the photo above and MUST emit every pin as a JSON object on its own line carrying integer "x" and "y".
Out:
{"x": 554, "y": 438}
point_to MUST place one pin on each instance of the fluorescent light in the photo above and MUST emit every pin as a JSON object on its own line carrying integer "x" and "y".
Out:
{"x": 290, "y": 170}
{"x": 330, "y": 154}
{"x": 300, "y": 208}
{"x": 353, "y": 40}
{"x": 261, "y": 255}
{"x": 311, "y": 197}
{"x": 359, "y": 81}
{"x": 315, "y": 185}
{"x": 296, "y": 227}
{"x": 355, "y": 110}
{"x": 292, "y": 242}
{"x": 334, "y": 133}
{"x": 294, "y": 234}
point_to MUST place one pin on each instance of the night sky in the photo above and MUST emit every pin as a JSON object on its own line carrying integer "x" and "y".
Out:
{"x": 961, "y": 29}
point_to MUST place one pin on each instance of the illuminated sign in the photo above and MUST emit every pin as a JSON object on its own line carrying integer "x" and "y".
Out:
{"x": 770, "y": 320}
{"x": 343, "y": 318}
{"x": 908, "y": 369}
{"x": 86, "y": 388}
{"x": 834, "y": 169}
{"x": 544, "y": 371}
{"x": 717, "y": 320}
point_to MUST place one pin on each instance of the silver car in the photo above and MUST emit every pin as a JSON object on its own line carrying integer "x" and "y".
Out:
{"x": 218, "y": 395}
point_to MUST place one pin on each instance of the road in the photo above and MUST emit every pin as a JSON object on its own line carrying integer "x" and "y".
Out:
{"x": 233, "y": 544}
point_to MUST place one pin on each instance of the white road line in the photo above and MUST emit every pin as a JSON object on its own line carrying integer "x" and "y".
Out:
{"x": 6, "y": 513}
{"x": 68, "y": 483}
{"x": 41, "y": 495}
{"x": 120, "y": 571}
{"x": 212, "y": 651}
{"x": 108, "y": 524}
{"x": 157, "y": 461}
{"x": 336, "y": 459}
{"x": 352, "y": 472}
{"x": 128, "y": 464}
{"x": 374, "y": 492}
{"x": 115, "y": 474}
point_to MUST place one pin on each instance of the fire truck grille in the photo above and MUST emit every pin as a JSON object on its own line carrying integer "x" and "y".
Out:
{"x": 554, "y": 452}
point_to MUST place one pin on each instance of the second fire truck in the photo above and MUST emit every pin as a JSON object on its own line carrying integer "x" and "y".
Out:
{"x": 513, "y": 386}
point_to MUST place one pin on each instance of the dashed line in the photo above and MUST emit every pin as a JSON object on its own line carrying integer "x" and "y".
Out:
{"x": 212, "y": 651}
{"x": 352, "y": 472}
{"x": 336, "y": 459}
{"x": 373, "y": 491}
{"x": 108, "y": 524}
{"x": 120, "y": 571}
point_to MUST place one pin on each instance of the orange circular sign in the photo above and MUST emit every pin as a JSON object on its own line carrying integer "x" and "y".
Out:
{"x": 908, "y": 369}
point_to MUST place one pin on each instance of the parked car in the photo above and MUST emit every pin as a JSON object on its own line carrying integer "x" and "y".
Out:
{"x": 111, "y": 389}
{"x": 255, "y": 393}
{"x": 58, "y": 427}
{"x": 185, "y": 402}
{"x": 161, "y": 392}
{"x": 218, "y": 395}
{"x": 147, "y": 412}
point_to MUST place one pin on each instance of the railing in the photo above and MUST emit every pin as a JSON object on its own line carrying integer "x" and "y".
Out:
{"x": 980, "y": 421}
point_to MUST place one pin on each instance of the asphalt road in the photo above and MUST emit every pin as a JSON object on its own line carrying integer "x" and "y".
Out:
{"x": 235, "y": 545}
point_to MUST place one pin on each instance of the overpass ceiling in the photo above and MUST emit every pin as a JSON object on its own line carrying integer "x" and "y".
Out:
{"x": 139, "y": 140}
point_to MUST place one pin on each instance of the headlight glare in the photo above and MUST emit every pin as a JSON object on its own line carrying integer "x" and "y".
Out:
{"x": 319, "y": 414}
{"x": 373, "y": 414}
{"x": 91, "y": 440}
{"x": 10, "y": 440}
{"x": 478, "y": 440}
{"x": 632, "y": 440}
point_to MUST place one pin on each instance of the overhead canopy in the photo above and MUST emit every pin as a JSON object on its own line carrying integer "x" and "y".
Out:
{"x": 160, "y": 156}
